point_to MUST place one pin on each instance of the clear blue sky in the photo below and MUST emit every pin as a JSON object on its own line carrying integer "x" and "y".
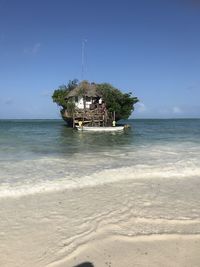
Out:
{"x": 151, "y": 48}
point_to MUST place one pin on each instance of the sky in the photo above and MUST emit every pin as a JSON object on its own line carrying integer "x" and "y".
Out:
{"x": 149, "y": 48}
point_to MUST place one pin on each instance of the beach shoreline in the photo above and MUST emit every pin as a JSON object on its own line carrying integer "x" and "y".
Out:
{"x": 61, "y": 228}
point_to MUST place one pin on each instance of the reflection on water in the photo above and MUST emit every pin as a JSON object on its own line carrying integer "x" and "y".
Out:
{"x": 22, "y": 139}
{"x": 93, "y": 142}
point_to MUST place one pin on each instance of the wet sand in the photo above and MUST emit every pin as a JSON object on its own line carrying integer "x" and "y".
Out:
{"x": 155, "y": 251}
{"x": 146, "y": 222}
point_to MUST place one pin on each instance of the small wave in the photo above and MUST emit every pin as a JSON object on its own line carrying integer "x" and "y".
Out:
{"x": 138, "y": 172}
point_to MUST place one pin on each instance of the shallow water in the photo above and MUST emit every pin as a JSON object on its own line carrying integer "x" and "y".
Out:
{"x": 142, "y": 182}
{"x": 39, "y": 155}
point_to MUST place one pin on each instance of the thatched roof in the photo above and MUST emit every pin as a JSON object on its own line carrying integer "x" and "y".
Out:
{"x": 84, "y": 88}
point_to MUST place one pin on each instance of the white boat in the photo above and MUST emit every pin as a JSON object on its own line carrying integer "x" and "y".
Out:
{"x": 100, "y": 128}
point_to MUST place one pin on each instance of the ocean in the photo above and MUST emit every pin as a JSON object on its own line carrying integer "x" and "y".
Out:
{"x": 67, "y": 197}
{"x": 42, "y": 155}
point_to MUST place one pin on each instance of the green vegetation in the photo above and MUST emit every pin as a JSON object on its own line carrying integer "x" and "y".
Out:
{"x": 121, "y": 103}
{"x": 115, "y": 100}
{"x": 59, "y": 95}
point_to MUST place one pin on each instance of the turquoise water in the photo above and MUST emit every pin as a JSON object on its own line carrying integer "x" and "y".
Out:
{"x": 39, "y": 153}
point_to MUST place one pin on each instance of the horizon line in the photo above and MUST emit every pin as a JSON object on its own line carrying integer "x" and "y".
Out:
{"x": 187, "y": 118}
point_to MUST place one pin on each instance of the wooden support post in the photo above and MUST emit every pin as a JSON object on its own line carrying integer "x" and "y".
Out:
{"x": 73, "y": 121}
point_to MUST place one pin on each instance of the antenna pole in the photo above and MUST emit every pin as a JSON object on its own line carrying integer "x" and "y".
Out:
{"x": 83, "y": 58}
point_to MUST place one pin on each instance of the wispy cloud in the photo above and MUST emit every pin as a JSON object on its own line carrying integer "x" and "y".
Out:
{"x": 33, "y": 50}
{"x": 36, "y": 48}
{"x": 140, "y": 107}
{"x": 193, "y": 87}
{"x": 177, "y": 110}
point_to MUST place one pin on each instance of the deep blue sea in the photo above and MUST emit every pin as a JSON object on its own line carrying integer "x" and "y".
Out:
{"x": 38, "y": 155}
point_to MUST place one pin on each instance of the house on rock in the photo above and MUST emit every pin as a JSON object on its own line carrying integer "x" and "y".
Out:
{"x": 86, "y": 107}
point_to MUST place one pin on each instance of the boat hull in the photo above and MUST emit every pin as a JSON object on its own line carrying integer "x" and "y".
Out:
{"x": 100, "y": 129}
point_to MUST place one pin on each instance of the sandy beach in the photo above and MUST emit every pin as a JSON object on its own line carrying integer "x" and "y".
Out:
{"x": 99, "y": 133}
{"x": 146, "y": 222}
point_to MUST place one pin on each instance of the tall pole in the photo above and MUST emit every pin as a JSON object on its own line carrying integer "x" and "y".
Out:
{"x": 83, "y": 59}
